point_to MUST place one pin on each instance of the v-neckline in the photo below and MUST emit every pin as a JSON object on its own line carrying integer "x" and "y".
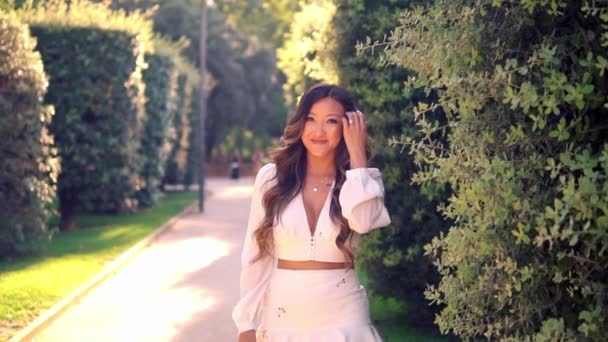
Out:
{"x": 327, "y": 197}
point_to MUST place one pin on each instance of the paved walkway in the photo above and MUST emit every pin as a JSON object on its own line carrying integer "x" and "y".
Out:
{"x": 180, "y": 288}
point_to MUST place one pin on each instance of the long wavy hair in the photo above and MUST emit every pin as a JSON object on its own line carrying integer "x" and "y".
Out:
{"x": 290, "y": 160}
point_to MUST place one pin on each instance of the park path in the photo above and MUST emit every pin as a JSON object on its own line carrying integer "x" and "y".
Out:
{"x": 180, "y": 288}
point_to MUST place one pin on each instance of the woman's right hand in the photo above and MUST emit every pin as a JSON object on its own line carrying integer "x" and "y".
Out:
{"x": 247, "y": 336}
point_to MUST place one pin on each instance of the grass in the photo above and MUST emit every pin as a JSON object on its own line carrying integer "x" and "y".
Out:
{"x": 32, "y": 285}
{"x": 389, "y": 315}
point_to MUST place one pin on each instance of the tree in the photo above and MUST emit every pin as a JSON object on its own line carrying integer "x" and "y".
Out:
{"x": 268, "y": 20}
{"x": 305, "y": 55}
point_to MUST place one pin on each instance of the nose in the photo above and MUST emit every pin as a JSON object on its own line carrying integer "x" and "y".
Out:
{"x": 320, "y": 128}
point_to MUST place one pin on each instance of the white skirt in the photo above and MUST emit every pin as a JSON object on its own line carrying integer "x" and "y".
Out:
{"x": 316, "y": 306}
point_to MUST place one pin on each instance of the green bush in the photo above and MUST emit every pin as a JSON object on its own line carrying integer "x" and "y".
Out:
{"x": 191, "y": 175}
{"x": 160, "y": 78}
{"x": 29, "y": 168}
{"x": 393, "y": 257}
{"x": 94, "y": 57}
{"x": 180, "y": 126}
{"x": 523, "y": 86}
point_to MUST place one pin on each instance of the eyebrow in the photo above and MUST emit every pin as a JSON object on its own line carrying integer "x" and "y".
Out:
{"x": 336, "y": 114}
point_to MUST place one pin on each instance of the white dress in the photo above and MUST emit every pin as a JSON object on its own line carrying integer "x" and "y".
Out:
{"x": 309, "y": 305}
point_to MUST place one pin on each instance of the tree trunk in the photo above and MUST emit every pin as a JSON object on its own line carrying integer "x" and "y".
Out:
{"x": 66, "y": 206}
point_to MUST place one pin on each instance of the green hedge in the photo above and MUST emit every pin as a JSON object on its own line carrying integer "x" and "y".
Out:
{"x": 191, "y": 175}
{"x": 393, "y": 257}
{"x": 29, "y": 167}
{"x": 523, "y": 85}
{"x": 180, "y": 126}
{"x": 96, "y": 88}
{"x": 160, "y": 78}
{"x": 94, "y": 57}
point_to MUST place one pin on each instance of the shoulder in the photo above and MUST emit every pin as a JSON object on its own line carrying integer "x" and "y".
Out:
{"x": 265, "y": 174}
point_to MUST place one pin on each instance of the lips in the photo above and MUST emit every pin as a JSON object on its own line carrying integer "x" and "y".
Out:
{"x": 318, "y": 141}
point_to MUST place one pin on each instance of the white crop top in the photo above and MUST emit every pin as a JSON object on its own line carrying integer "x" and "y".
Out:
{"x": 362, "y": 202}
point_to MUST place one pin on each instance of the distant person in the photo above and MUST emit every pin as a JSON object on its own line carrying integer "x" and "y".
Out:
{"x": 308, "y": 211}
{"x": 235, "y": 168}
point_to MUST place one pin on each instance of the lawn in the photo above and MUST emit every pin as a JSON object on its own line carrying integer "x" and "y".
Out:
{"x": 30, "y": 286}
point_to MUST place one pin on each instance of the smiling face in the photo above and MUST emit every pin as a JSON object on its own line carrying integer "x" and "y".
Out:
{"x": 322, "y": 131}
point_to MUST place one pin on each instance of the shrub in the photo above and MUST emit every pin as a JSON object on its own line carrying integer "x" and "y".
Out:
{"x": 523, "y": 86}
{"x": 94, "y": 57}
{"x": 392, "y": 257}
{"x": 30, "y": 166}
{"x": 160, "y": 78}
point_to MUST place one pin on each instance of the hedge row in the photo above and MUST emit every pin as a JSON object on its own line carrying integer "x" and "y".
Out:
{"x": 113, "y": 109}
{"x": 29, "y": 168}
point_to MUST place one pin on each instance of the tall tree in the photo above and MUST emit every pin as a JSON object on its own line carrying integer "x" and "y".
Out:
{"x": 240, "y": 66}
{"x": 268, "y": 20}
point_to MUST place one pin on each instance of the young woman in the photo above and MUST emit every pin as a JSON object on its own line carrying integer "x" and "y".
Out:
{"x": 307, "y": 212}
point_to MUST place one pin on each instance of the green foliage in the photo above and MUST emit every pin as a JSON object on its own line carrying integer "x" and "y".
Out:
{"x": 96, "y": 85}
{"x": 86, "y": 14}
{"x": 160, "y": 78}
{"x": 180, "y": 130}
{"x": 240, "y": 65}
{"x": 30, "y": 167}
{"x": 268, "y": 20}
{"x": 523, "y": 88}
{"x": 192, "y": 165}
{"x": 305, "y": 57}
{"x": 394, "y": 256}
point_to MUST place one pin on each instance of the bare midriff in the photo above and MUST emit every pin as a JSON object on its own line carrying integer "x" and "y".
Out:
{"x": 311, "y": 265}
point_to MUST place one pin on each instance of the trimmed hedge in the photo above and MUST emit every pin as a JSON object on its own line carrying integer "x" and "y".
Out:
{"x": 161, "y": 83}
{"x": 29, "y": 167}
{"x": 94, "y": 57}
{"x": 176, "y": 163}
{"x": 191, "y": 176}
{"x": 96, "y": 87}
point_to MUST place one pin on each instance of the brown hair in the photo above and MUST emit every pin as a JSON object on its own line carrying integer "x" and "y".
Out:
{"x": 290, "y": 160}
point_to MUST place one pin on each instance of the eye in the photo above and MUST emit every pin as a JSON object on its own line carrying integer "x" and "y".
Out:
{"x": 310, "y": 119}
{"x": 332, "y": 121}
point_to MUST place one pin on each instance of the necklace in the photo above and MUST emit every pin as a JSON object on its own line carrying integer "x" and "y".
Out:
{"x": 324, "y": 182}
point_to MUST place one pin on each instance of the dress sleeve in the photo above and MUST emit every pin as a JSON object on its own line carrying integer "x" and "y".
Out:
{"x": 362, "y": 200}
{"x": 254, "y": 275}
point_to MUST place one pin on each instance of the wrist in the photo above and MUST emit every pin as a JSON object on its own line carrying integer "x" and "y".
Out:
{"x": 358, "y": 162}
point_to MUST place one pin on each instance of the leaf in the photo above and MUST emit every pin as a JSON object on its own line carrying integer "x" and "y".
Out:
{"x": 587, "y": 89}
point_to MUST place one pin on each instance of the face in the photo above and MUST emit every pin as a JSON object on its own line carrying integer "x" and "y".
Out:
{"x": 323, "y": 128}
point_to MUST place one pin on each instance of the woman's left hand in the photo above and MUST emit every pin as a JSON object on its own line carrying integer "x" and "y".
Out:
{"x": 354, "y": 126}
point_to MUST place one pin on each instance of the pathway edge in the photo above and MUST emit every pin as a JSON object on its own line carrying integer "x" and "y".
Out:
{"x": 50, "y": 315}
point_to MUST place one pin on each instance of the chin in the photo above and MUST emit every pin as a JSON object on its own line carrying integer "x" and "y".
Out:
{"x": 321, "y": 154}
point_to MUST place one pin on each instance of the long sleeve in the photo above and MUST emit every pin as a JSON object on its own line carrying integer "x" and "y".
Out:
{"x": 254, "y": 275}
{"x": 362, "y": 200}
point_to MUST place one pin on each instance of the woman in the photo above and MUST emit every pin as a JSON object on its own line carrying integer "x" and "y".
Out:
{"x": 307, "y": 213}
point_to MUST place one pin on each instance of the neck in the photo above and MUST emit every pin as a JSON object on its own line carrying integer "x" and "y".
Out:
{"x": 320, "y": 167}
